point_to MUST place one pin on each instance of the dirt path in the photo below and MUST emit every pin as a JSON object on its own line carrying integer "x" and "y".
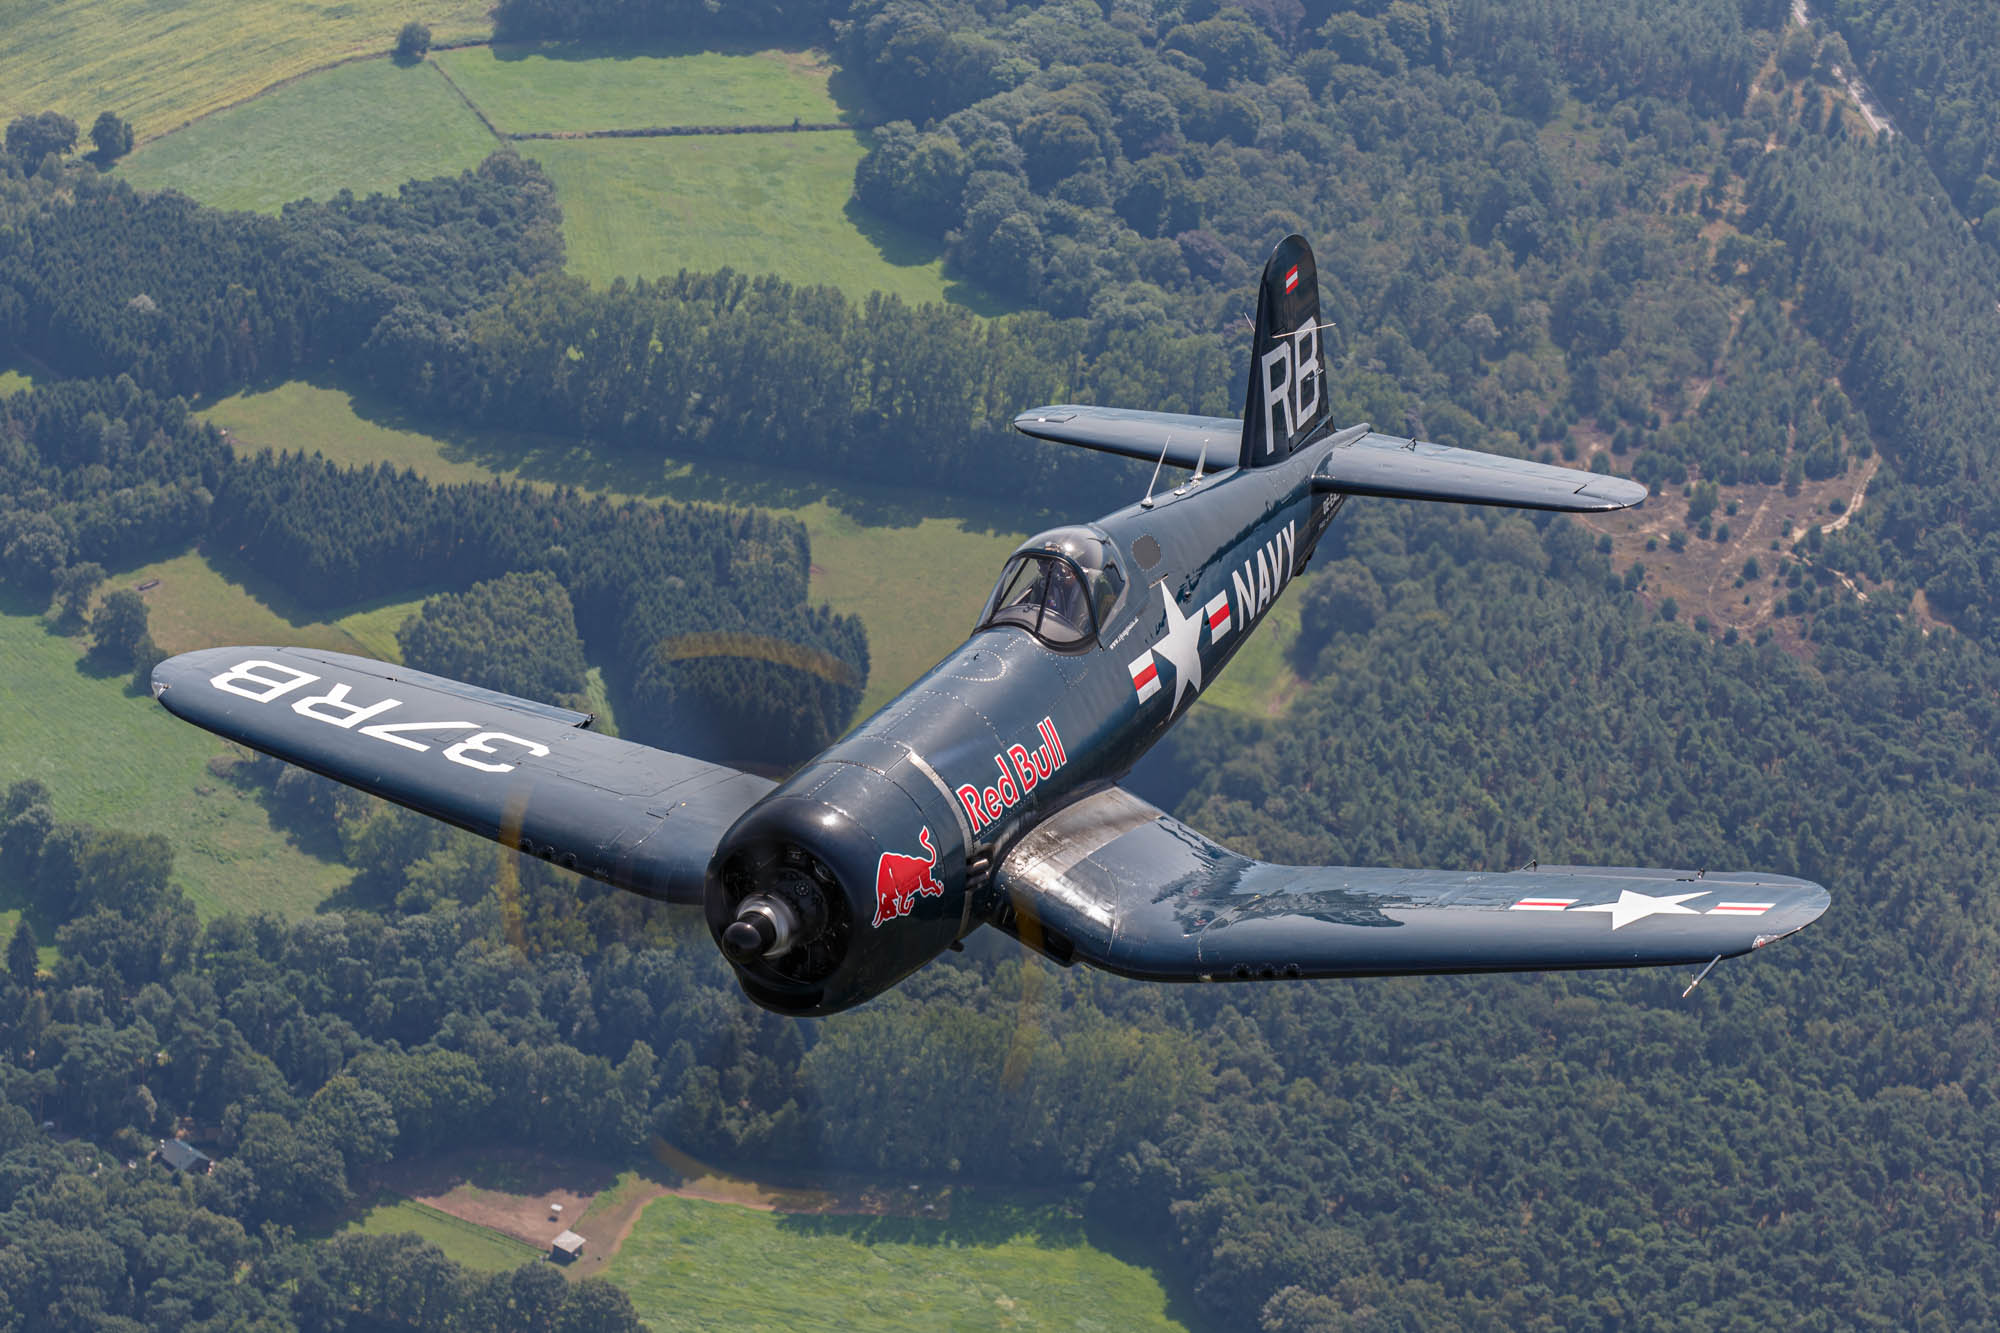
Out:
{"x": 1864, "y": 100}
{"x": 513, "y": 1193}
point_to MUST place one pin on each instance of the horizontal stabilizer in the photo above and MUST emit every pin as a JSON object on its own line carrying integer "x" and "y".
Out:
{"x": 1403, "y": 469}
{"x": 1113, "y": 882}
{"x": 1117, "y": 430}
{"x": 523, "y": 773}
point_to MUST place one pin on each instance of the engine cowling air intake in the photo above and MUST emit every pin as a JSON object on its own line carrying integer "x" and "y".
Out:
{"x": 833, "y": 888}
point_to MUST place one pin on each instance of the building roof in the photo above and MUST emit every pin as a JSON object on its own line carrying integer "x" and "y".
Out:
{"x": 569, "y": 1243}
{"x": 181, "y": 1156}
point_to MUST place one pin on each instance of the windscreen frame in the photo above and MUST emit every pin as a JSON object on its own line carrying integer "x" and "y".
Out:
{"x": 1014, "y": 615}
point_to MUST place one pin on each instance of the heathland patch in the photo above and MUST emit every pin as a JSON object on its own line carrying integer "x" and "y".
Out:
{"x": 161, "y": 65}
{"x": 367, "y": 126}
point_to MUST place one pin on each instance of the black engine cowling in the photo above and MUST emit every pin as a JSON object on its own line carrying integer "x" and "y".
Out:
{"x": 835, "y": 887}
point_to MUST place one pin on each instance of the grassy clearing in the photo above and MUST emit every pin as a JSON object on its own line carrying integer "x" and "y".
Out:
{"x": 916, "y": 582}
{"x": 14, "y": 380}
{"x": 558, "y": 86}
{"x": 120, "y": 760}
{"x": 878, "y": 1273}
{"x": 368, "y": 126}
{"x": 200, "y": 605}
{"x": 9, "y": 920}
{"x": 757, "y": 203}
{"x": 478, "y": 1248}
{"x": 1260, "y": 681}
{"x": 161, "y": 64}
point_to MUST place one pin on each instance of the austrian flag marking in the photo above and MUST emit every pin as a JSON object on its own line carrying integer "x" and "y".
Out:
{"x": 1541, "y": 904}
{"x": 1217, "y": 612}
{"x": 1145, "y": 676}
{"x": 1292, "y": 278}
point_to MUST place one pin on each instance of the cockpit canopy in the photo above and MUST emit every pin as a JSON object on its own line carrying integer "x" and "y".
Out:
{"x": 1061, "y": 587}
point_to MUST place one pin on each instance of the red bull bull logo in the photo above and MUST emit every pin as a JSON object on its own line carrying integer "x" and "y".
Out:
{"x": 899, "y": 879}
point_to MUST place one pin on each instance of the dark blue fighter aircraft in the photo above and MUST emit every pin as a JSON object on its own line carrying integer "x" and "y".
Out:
{"x": 986, "y": 793}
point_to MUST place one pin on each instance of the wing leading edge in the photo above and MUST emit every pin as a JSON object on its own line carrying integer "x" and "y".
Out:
{"x": 506, "y": 768}
{"x": 1184, "y": 441}
{"x": 1409, "y": 469}
{"x": 1113, "y": 882}
{"x": 1361, "y": 462}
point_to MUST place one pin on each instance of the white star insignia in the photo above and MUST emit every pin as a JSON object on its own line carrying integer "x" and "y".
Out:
{"x": 1632, "y": 906}
{"x": 1180, "y": 647}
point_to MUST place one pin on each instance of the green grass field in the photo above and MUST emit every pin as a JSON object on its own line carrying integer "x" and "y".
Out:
{"x": 160, "y": 63}
{"x": 875, "y": 1273}
{"x": 367, "y": 126}
{"x": 563, "y": 86}
{"x": 758, "y": 203}
{"x": 916, "y": 582}
{"x": 14, "y": 381}
{"x": 198, "y": 605}
{"x": 632, "y": 208}
{"x": 120, "y": 760}
{"x": 479, "y": 1248}
{"x": 1260, "y": 681}
{"x": 10, "y": 919}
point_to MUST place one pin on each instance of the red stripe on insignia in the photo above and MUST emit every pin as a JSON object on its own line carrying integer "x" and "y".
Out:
{"x": 1741, "y": 909}
{"x": 1541, "y": 904}
{"x": 1146, "y": 677}
{"x": 1292, "y": 278}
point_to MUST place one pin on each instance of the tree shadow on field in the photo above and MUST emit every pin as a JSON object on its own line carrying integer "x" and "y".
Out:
{"x": 241, "y": 573}
{"x": 971, "y": 1217}
{"x": 16, "y": 602}
{"x": 622, "y": 471}
{"x": 660, "y": 48}
{"x": 503, "y": 1171}
{"x": 903, "y": 247}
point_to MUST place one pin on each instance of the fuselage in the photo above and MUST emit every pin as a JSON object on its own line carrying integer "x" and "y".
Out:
{"x": 1012, "y": 729}
{"x": 891, "y": 835}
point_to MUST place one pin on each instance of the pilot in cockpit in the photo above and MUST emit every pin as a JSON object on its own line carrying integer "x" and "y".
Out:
{"x": 1066, "y": 597}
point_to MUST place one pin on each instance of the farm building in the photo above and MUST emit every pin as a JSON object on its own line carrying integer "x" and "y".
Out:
{"x": 566, "y": 1247}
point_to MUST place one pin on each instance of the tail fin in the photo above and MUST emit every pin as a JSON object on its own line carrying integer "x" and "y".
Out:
{"x": 1286, "y": 403}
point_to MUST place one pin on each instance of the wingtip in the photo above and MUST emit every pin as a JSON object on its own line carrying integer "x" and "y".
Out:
{"x": 1614, "y": 492}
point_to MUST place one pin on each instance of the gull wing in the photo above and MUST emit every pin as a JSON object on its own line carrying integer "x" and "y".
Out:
{"x": 1113, "y": 882}
{"x": 523, "y": 773}
{"x": 1185, "y": 440}
{"x": 1409, "y": 469}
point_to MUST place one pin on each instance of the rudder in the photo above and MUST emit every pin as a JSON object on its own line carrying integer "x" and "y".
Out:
{"x": 1286, "y": 402}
